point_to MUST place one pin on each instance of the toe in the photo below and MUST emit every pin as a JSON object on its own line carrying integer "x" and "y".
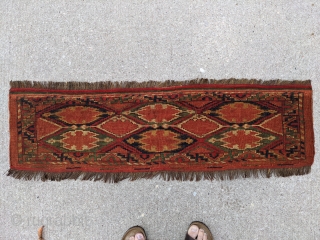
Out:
{"x": 205, "y": 237}
{"x": 201, "y": 234}
{"x": 139, "y": 236}
{"x": 193, "y": 231}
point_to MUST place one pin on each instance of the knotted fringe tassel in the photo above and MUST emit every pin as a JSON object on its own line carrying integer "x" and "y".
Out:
{"x": 146, "y": 84}
{"x": 168, "y": 176}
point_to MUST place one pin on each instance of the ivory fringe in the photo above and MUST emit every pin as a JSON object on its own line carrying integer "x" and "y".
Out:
{"x": 147, "y": 84}
{"x": 181, "y": 176}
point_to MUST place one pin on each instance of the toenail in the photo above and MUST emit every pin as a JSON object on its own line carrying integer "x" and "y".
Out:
{"x": 194, "y": 229}
{"x": 140, "y": 236}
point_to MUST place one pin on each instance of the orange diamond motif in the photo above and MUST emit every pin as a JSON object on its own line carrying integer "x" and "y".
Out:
{"x": 45, "y": 128}
{"x": 273, "y": 124}
{"x": 160, "y": 140}
{"x": 119, "y": 126}
{"x": 200, "y": 125}
{"x": 78, "y": 114}
{"x": 159, "y": 113}
{"x": 79, "y": 140}
{"x": 241, "y": 139}
{"x": 239, "y": 112}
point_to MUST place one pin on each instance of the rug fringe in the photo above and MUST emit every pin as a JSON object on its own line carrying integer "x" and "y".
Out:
{"x": 147, "y": 84}
{"x": 168, "y": 176}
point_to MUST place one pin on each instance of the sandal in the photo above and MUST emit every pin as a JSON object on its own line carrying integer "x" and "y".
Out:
{"x": 133, "y": 231}
{"x": 200, "y": 225}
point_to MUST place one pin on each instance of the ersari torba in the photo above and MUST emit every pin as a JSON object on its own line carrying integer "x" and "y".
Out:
{"x": 198, "y": 129}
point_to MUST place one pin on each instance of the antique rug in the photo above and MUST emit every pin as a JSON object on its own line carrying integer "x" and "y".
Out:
{"x": 190, "y": 130}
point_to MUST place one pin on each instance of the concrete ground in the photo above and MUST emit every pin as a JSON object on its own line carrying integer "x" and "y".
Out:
{"x": 96, "y": 40}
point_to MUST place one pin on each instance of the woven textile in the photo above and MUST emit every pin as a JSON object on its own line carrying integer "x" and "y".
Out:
{"x": 190, "y": 130}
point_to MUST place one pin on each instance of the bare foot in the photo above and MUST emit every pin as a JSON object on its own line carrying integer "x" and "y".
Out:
{"x": 194, "y": 232}
{"x": 202, "y": 235}
{"x": 138, "y": 236}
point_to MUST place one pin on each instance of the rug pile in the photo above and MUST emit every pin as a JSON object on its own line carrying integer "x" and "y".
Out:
{"x": 198, "y": 129}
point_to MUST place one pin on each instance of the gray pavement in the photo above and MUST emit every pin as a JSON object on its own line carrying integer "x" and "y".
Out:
{"x": 96, "y": 40}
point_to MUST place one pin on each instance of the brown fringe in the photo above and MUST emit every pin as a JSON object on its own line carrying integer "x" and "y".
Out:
{"x": 181, "y": 176}
{"x": 147, "y": 84}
